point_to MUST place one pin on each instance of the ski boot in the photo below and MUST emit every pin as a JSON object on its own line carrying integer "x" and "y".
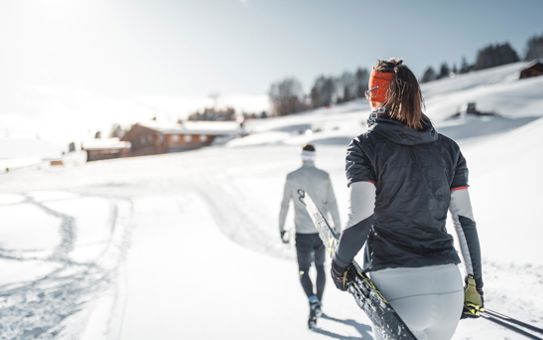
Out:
{"x": 318, "y": 309}
{"x": 314, "y": 311}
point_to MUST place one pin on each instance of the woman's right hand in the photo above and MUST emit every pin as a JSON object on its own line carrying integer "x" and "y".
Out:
{"x": 340, "y": 275}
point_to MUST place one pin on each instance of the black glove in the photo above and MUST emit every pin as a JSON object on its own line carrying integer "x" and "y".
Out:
{"x": 340, "y": 275}
{"x": 285, "y": 237}
{"x": 473, "y": 298}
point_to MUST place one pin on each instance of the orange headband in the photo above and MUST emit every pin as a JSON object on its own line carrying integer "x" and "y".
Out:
{"x": 378, "y": 86}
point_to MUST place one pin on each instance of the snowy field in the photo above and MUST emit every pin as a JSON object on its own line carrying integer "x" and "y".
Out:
{"x": 185, "y": 246}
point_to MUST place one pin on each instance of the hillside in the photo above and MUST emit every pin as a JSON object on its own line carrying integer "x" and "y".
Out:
{"x": 494, "y": 90}
{"x": 185, "y": 245}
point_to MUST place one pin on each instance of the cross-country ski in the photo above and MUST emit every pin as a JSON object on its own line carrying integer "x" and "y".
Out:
{"x": 366, "y": 295}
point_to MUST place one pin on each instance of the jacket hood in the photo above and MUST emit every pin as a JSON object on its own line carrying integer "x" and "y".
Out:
{"x": 400, "y": 133}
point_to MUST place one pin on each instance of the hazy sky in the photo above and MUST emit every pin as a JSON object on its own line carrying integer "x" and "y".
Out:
{"x": 177, "y": 47}
{"x": 159, "y": 51}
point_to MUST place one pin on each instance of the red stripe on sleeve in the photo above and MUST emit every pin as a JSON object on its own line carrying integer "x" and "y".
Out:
{"x": 460, "y": 188}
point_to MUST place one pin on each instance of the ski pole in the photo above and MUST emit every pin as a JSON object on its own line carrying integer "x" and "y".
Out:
{"x": 509, "y": 326}
{"x": 512, "y": 320}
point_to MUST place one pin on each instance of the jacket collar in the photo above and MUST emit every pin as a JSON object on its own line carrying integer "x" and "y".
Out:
{"x": 400, "y": 133}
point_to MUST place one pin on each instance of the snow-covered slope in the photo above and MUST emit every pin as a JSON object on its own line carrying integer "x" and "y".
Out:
{"x": 25, "y": 151}
{"x": 186, "y": 245}
{"x": 502, "y": 74}
{"x": 509, "y": 98}
{"x": 494, "y": 90}
{"x": 185, "y": 278}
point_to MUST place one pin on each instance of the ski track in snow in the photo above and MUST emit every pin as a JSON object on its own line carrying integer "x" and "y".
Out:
{"x": 241, "y": 189}
{"x": 524, "y": 304}
{"x": 235, "y": 221}
{"x": 40, "y": 309}
{"x": 37, "y": 309}
{"x": 67, "y": 231}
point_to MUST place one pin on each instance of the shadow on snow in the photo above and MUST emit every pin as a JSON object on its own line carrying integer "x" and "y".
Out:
{"x": 364, "y": 330}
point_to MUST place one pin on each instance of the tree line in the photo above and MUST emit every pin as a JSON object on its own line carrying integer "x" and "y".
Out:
{"x": 287, "y": 95}
{"x": 489, "y": 56}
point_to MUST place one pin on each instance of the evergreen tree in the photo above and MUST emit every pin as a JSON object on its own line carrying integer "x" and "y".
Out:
{"x": 444, "y": 71}
{"x": 534, "y": 48}
{"x": 495, "y": 55}
{"x": 464, "y": 66}
{"x": 454, "y": 69}
{"x": 428, "y": 75}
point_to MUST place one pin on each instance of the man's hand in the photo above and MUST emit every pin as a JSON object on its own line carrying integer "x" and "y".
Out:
{"x": 473, "y": 299}
{"x": 285, "y": 236}
{"x": 340, "y": 275}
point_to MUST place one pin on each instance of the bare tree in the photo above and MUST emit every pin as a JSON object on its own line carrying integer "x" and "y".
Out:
{"x": 214, "y": 96}
{"x": 323, "y": 92}
{"x": 346, "y": 87}
{"x": 362, "y": 77}
{"x": 286, "y": 96}
{"x": 117, "y": 131}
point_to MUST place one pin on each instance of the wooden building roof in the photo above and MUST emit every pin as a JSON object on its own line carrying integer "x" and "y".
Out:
{"x": 195, "y": 128}
{"x": 106, "y": 144}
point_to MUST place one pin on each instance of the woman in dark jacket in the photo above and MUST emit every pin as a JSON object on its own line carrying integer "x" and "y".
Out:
{"x": 403, "y": 177}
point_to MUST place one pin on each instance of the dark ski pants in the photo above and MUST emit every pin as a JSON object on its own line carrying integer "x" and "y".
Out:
{"x": 309, "y": 249}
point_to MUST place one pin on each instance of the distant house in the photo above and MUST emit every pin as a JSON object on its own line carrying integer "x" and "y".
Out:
{"x": 108, "y": 148}
{"x": 533, "y": 69}
{"x": 155, "y": 137}
{"x": 470, "y": 108}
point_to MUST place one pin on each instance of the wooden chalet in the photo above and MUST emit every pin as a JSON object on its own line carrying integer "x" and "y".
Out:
{"x": 156, "y": 138}
{"x": 533, "y": 69}
{"x": 107, "y": 148}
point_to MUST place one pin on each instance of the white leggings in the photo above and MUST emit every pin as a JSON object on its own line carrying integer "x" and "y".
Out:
{"x": 428, "y": 299}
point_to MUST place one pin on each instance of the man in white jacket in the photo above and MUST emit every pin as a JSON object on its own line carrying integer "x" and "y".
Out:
{"x": 309, "y": 247}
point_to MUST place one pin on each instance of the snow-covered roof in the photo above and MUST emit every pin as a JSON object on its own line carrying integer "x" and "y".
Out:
{"x": 534, "y": 62}
{"x": 197, "y": 128}
{"x": 105, "y": 143}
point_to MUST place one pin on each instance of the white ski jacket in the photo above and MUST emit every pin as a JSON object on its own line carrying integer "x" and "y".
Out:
{"x": 318, "y": 185}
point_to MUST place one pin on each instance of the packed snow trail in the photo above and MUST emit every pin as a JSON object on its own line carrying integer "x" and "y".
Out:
{"x": 206, "y": 260}
{"x": 185, "y": 278}
{"x": 47, "y": 301}
{"x": 237, "y": 220}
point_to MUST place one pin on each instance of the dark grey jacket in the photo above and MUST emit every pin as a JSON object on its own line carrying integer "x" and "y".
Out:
{"x": 413, "y": 172}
